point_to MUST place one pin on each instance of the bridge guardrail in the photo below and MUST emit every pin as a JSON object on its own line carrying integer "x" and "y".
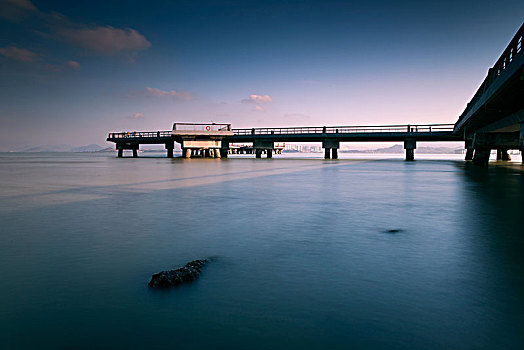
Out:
{"x": 139, "y": 134}
{"x": 345, "y": 129}
{"x": 513, "y": 49}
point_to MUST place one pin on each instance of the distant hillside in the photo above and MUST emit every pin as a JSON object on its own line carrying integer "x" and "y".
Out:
{"x": 89, "y": 148}
{"x": 59, "y": 148}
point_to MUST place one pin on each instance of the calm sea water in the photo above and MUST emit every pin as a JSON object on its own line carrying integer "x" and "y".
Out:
{"x": 301, "y": 253}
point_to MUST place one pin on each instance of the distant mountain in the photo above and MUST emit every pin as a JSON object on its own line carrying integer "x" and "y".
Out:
{"x": 89, "y": 148}
{"x": 107, "y": 149}
{"x": 58, "y": 148}
{"x": 45, "y": 148}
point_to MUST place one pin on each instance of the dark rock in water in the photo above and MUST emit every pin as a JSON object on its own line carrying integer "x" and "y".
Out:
{"x": 188, "y": 273}
{"x": 393, "y": 231}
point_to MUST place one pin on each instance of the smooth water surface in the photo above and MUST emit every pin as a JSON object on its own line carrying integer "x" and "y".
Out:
{"x": 303, "y": 256}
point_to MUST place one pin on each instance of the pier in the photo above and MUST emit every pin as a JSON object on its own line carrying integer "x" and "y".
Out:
{"x": 217, "y": 140}
{"x": 493, "y": 119}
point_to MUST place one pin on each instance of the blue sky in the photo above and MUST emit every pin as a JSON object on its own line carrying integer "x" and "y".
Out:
{"x": 70, "y": 73}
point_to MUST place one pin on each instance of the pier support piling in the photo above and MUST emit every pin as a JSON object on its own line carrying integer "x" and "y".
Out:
{"x": 410, "y": 145}
{"x": 481, "y": 156}
{"x": 521, "y": 142}
{"x": 502, "y": 154}
{"x": 469, "y": 149}
{"x": 469, "y": 153}
{"x": 331, "y": 147}
{"x": 170, "y": 147}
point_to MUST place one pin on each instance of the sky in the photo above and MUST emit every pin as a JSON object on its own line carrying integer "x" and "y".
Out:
{"x": 70, "y": 72}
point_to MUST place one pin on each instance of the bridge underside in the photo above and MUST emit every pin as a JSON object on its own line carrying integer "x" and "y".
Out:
{"x": 494, "y": 119}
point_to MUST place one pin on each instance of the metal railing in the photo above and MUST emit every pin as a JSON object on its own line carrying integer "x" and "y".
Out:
{"x": 201, "y": 127}
{"x": 139, "y": 134}
{"x": 345, "y": 129}
{"x": 513, "y": 49}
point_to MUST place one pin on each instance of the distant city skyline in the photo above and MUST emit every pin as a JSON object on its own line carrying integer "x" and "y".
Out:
{"x": 72, "y": 73}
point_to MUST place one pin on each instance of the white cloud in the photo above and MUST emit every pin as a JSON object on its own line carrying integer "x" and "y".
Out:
{"x": 258, "y": 99}
{"x": 106, "y": 40}
{"x": 179, "y": 95}
{"x": 258, "y": 108}
{"x": 18, "y": 54}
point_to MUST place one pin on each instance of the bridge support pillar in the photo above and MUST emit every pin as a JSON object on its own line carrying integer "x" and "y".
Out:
{"x": 120, "y": 153}
{"x": 334, "y": 153}
{"x": 224, "y": 148}
{"x": 263, "y": 146}
{"x": 469, "y": 153}
{"x": 481, "y": 156}
{"x": 410, "y": 145}
{"x": 169, "y": 147}
{"x": 521, "y": 142}
{"x": 135, "y": 152}
{"x": 469, "y": 149}
{"x": 331, "y": 147}
{"x": 502, "y": 154}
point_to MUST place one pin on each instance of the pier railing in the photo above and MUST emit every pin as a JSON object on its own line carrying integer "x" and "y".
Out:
{"x": 410, "y": 128}
{"x": 139, "y": 134}
{"x": 346, "y": 129}
{"x": 201, "y": 127}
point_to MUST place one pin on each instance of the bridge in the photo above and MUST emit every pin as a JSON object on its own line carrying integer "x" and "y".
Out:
{"x": 493, "y": 119}
{"x": 213, "y": 140}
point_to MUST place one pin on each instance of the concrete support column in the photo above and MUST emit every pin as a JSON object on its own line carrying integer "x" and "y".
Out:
{"x": 223, "y": 152}
{"x": 330, "y": 147}
{"x": 269, "y": 153}
{"x": 469, "y": 149}
{"x": 410, "y": 145}
{"x": 502, "y": 154}
{"x": 135, "y": 153}
{"x": 258, "y": 153}
{"x": 169, "y": 147}
{"x": 481, "y": 156}
{"x": 521, "y": 142}
{"x": 410, "y": 154}
{"x": 120, "y": 153}
{"x": 469, "y": 153}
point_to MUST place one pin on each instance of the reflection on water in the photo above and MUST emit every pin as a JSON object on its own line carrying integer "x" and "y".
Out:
{"x": 309, "y": 253}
